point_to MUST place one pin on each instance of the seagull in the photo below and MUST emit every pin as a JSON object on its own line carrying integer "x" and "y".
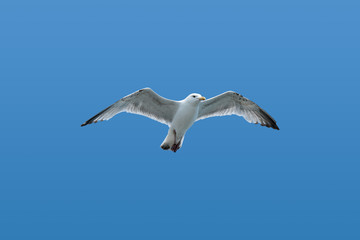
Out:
{"x": 181, "y": 115}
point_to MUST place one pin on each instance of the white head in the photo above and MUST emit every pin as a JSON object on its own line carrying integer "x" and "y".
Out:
{"x": 194, "y": 98}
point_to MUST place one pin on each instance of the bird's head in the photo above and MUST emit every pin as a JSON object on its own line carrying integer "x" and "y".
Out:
{"x": 195, "y": 98}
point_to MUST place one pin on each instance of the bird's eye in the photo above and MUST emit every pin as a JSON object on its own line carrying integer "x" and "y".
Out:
{"x": 193, "y": 96}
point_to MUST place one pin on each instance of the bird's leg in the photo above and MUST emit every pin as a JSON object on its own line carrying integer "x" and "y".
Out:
{"x": 173, "y": 147}
{"x": 176, "y": 146}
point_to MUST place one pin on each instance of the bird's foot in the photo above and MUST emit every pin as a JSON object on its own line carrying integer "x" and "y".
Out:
{"x": 165, "y": 147}
{"x": 175, "y": 147}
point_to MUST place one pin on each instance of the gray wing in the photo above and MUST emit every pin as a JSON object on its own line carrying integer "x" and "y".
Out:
{"x": 143, "y": 102}
{"x": 230, "y": 103}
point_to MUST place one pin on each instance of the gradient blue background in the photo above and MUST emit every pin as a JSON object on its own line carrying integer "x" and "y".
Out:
{"x": 61, "y": 62}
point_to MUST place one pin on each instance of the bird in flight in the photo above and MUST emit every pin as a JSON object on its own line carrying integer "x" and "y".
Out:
{"x": 181, "y": 115}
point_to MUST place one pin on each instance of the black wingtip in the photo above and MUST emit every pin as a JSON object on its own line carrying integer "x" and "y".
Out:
{"x": 88, "y": 122}
{"x": 270, "y": 122}
{"x": 273, "y": 125}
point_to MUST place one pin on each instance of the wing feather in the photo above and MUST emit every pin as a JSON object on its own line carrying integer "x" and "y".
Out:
{"x": 143, "y": 102}
{"x": 232, "y": 103}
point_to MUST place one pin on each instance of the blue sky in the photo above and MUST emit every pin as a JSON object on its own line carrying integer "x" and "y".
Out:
{"x": 63, "y": 61}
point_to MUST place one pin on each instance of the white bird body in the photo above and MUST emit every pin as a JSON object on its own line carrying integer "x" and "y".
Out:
{"x": 184, "y": 118}
{"x": 181, "y": 115}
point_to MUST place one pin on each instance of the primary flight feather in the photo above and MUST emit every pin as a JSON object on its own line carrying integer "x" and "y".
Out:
{"x": 180, "y": 115}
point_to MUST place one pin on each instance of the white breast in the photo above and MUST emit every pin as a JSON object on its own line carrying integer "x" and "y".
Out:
{"x": 184, "y": 118}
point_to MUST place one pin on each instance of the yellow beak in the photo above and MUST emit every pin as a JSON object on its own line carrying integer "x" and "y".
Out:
{"x": 202, "y": 98}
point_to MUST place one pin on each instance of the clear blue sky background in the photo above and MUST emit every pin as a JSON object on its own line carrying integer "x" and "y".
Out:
{"x": 63, "y": 61}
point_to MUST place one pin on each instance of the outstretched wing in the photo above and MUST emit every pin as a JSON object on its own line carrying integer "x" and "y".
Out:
{"x": 143, "y": 102}
{"x": 230, "y": 103}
